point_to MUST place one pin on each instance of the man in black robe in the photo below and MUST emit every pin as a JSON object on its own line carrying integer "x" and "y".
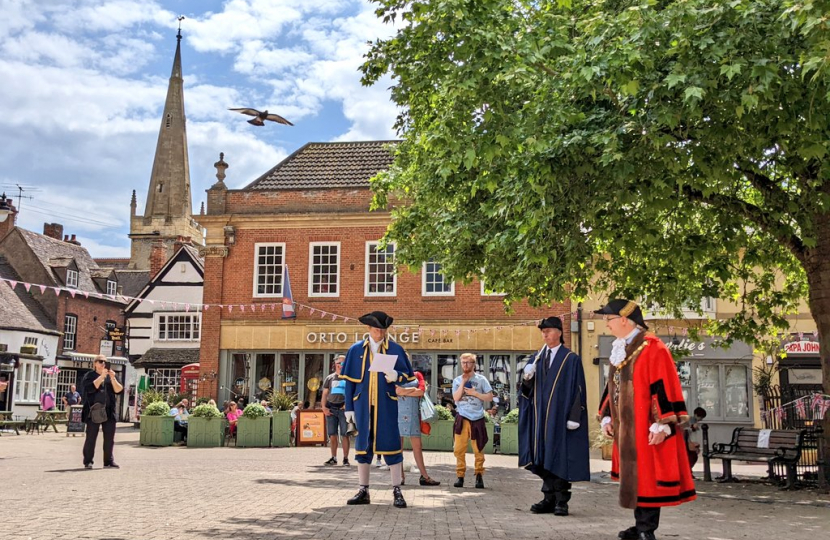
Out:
{"x": 553, "y": 420}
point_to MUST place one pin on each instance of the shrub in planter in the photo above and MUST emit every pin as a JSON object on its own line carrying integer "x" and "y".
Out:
{"x": 281, "y": 404}
{"x": 254, "y": 426}
{"x": 156, "y": 425}
{"x": 205, "y": 427}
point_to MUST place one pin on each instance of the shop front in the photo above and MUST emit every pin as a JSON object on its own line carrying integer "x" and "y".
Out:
{"x": 303, "y": 356}
{"x": 715, "y": 378}
{"x": 800, "y": 369}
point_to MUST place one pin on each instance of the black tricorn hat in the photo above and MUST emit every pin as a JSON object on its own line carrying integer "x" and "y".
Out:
{"x": 624, "y": 308}
{"x": 553, "y": 322}
{"x": 377, "y": 319}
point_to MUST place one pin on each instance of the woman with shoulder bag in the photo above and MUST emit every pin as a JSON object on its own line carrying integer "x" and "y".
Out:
{"x": 409, "y": 422}
{"x": 99, "y": 388}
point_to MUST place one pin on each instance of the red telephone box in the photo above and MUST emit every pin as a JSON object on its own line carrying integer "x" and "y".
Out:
{"x": 189, "y": 379}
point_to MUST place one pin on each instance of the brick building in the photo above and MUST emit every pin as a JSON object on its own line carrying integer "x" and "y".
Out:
{"x": 310, "y": 212}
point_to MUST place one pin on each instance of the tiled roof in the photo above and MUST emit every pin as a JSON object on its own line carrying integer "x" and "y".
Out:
{"x": 132, "y": 281}
{"x": 101, "y": 273}
{"x": 60, "y": 262}
{"x": 328, "y": 165}
{"x": 167, "y": 357}
{"x": 117, "y": 264}
{"x": 18, "y": 310}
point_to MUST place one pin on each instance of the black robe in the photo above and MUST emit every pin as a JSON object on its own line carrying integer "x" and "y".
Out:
{"x": 547, "y": 402}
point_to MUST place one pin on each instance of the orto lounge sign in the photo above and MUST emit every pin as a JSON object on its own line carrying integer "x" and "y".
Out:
{"x": 802, "y": 347}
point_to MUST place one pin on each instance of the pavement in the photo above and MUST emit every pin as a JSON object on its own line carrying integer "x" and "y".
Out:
{"x": 277, "y": 493}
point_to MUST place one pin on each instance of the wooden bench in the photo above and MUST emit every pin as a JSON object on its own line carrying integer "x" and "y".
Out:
{"x": 765, "y": 445}
{"x": 12, "y": 424}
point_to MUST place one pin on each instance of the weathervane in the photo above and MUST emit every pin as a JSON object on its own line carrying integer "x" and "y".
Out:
{"x": 180, "y": 19}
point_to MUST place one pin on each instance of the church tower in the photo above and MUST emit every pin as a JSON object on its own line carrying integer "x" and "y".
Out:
{"x": 167, "y": 211}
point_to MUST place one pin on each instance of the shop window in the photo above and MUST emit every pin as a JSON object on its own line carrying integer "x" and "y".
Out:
{"x": 269, "y": 260}
{"x": 324, "y": 269}
{"x": 447, "y": 366}
{"x": 166, "y": 380}
{"x": 265, "y": 372}
{"x": 433, "y": 282}
{"x": 497, "y": 371}
{"x": 66, "y": 378}
{"x": 179, "y": 327}
{"x": 381, "y": 279}
{"x": 239, "y": 375}
{"x": 27, "y": 384}
{"x": 423, "y": 362}
{"x": 70, "y": 328}
{"x": 28, "y": 340}
{"x": 313, "y": 378}
{"x": 723, "y": 390}
{"x": 289, "y": 374}
{"x": 71, "y": 278}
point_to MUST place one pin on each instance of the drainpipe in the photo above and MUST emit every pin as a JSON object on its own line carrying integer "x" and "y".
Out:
{"x": 579, "y": 329}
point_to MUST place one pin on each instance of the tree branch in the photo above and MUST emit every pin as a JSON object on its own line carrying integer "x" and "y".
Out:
{"x": 780, "y": 231}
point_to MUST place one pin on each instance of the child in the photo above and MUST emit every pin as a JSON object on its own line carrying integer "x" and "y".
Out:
{"x": 694, "y": 435}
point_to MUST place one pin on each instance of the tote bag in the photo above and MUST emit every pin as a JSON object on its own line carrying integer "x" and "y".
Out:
{"x": 428, "y": 413}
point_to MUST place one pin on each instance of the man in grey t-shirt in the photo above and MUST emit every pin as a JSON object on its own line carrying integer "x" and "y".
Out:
{"x": 333, "y": 401}
{"x": 470, "y": 391}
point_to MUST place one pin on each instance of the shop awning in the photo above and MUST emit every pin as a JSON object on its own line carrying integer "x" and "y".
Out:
{"x": 167, "y": 358}
{"x": 88, "y": 358}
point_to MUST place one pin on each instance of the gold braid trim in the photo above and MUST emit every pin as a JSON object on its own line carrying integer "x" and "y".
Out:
{"x": 628, "y": 309}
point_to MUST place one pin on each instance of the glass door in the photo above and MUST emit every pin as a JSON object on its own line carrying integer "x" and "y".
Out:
{"x": 447, "y": 367}
{"x": 288, "y": 375}
{"x": 265, "y": 373}
{"x": 313, "y": 378}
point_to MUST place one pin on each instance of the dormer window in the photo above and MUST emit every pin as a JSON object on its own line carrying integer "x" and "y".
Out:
{"x": 111, "y": 287}
{"x": 71, "y": 278}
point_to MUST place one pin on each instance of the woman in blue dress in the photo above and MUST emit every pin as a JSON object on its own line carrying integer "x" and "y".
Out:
{"x": 409, "y": 422}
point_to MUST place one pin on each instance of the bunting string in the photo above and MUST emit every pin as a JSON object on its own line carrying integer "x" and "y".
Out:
{"x": 810, "y": 407}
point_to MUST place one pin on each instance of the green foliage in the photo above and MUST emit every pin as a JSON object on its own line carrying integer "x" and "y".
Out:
{"x": 151, "y": 396}
{"x": 157, "y": 408}
{"x": 175, "y": 399}
{"x": 598, "y": 438}
{"x": 443, "y": 413}
{"x": 202, "y": 400}
{"x": 280, "y": 401}
{"x": 666, "y": 151}
{"x": 254, "y": 410}
{"x": 511, "y": 418}
{"x": 205, "y": 411}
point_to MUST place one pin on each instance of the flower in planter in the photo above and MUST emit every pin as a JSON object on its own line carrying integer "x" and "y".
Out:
{"x": 443, "y": 413}
{"x": 511, "y": 418}
{"x": 281, "y": 401}
{"x": 206, "y": 411}
{"x": 254, "y": 410}
{"x": 157, "y": 408}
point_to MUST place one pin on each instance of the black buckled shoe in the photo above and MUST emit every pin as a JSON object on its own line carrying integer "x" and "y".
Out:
{"x": 479, "y": 481}
{"x": 362, "y": 497}
{"x": 629, "y": 534}
{"x": 544, "y": 506}
{"x": 561, "y": 509}
{"x": 459, "y": 482}
{"x": 399, "y": 500}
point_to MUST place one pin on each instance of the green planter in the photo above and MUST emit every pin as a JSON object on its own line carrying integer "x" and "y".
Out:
{"x": 440, "y": 437}
{"x": 509, "y": 439}
{"x": 156, "y": 431}
{"x": 488, "y": 448}
{"x": 205, "y": 432}
{"x": 253, "y": 432}
{"x": 281, "y": 429}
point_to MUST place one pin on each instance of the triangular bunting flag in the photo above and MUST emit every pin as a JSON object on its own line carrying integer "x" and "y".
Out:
{"x": 72, "y": 293}
{"x": 42, "y": 288}
{"x": 230, "y": 308}
{"x": 242, "y": 308}
{"x": 86, "y": 294}
{"x": 13, "y": 283}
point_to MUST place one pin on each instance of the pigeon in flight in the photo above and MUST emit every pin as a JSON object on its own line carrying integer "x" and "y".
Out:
{"x": 261, "y": 116}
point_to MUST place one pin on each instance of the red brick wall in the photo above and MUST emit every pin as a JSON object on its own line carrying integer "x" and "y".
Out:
{"x": 298, "y": 200}
{"x": 92, "y": 315}
{"x": 211, "y": 323}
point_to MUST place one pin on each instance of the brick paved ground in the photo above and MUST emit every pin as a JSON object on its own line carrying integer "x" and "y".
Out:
{"x": 181, "y": 493}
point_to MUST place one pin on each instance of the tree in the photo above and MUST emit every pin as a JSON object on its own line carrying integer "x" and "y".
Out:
{"x": 666, "y": 150}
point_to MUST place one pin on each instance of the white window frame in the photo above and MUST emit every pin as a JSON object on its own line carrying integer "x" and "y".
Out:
{"x": 424, "y": 278}
{"x": 195, "y": 324}
{"x": 311, "y": 274}
{"x": 112, "y": 287}
{"x": 71, "y": 278}
{"x": 163, "y": 379}
{"x": 366, "y": 283}
{"x": 257, "y": 247}
{"x": 30, "y": 340}
{"x": 27, "y": 382}
{"x": 485, "y": 293}
{"x": 70, "y": 332}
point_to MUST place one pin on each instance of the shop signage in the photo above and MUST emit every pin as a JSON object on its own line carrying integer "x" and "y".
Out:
{"x": 802, "y": 347}
{"x": 348, "y": 337}
{"x": 116, "y": 334}
{"x": 106, "y": 347}
{"x": 75, "y": 423}
{"x": 701, "y": 349}
{"x": 110, "y": 325}
{"x": 311, "y": 428}
{"x": 804, "y": 376}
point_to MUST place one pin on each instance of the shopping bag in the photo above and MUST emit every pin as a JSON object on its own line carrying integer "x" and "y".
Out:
{"x": 428, "y": 413}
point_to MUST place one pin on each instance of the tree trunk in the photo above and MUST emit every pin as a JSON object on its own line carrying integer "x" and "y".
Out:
{"x": 817, "y": 267}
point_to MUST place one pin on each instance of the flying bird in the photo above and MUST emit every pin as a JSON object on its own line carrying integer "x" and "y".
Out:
{"x": 261, "y": 116}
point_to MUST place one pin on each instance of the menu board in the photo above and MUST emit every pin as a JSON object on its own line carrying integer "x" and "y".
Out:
{"x": 311, "y": 428}
{"x": 75, "y": 423}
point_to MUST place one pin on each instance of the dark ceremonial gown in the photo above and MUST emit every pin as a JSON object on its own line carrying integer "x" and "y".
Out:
{"x": 554, "y": 396}
{"x": 642, "y": 390}
{"x": 374, "y": 401}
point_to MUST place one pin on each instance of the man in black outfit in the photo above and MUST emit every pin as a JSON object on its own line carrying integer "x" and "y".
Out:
{"x": 100, "y": 386}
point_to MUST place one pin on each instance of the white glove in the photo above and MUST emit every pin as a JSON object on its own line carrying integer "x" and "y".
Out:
{"x": 605, "y": 421}
{"x": 656, "y": 428}
{"x": 391, "y": 376}
{"x": 573, "y": 425}
{"x": 529, "y": 371}
{"x": 350, "y": 416}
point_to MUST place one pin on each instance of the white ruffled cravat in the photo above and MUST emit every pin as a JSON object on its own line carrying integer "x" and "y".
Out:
{"x": 617, "y": 352}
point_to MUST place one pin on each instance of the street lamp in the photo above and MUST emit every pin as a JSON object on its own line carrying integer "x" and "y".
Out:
{"x": 5, "y": 209}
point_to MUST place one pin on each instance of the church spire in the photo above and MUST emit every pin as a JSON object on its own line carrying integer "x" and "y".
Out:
{"x": 169, "y": 192}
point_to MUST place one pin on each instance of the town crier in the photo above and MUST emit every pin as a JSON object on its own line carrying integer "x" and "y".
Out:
{"x": 553, "y": 420}
{"x": 372, "y": 404}
{"x": 642, "y": 409}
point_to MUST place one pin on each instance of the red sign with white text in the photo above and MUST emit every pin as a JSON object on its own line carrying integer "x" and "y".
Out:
{"x": 802, "y": 347}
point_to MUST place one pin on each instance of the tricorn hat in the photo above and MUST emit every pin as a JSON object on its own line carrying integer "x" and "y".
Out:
{"x": 553, "y": 322}
{"x": 624, "y": 308}
{"x": 377, "y": 319}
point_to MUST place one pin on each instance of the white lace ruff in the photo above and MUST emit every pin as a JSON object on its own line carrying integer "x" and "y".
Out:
{"x": 617, "y": 352}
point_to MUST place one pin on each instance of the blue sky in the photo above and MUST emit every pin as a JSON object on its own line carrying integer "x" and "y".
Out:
{"x": 85, "y": 83}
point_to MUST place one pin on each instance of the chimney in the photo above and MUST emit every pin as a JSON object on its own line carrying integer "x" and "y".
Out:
{"x": 10, "y": 220}
{"x": 158, "y": 256}
{"x": 73, "y": 241}
{"x": 53, "y": 230}
{"x": 181, "y": 241}
{"x": 66, "y": 238}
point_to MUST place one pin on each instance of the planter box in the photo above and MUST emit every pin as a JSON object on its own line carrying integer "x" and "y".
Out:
{"x": 205, "y": 432}
{"x": 156, "y": 430}
{"x": 440, "y": 438}
{"x": 281, "y": 429}
{"x": 509, "y": 439}
{"x": 253, "y": 432}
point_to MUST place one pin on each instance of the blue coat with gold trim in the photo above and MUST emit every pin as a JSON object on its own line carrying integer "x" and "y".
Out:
{"x": 366, "y": 389}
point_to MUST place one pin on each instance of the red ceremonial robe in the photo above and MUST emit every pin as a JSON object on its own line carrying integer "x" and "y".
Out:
{"x": 642, "y": 390}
